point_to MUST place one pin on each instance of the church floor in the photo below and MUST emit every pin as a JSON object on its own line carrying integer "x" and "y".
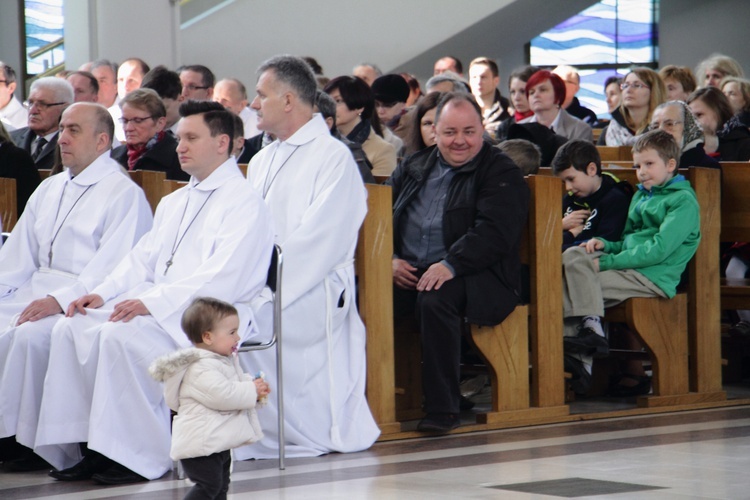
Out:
{"x": 701, "y": 454}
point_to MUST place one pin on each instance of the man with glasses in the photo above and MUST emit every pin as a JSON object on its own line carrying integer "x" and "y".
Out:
{"x": 12, "y": 114}
{"x": 571, "y": 104}
{"x": 48, "y": 99}
{"x": 197, "y": 82}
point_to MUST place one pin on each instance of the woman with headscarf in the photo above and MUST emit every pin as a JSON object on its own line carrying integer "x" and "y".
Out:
{"x": 675, "y": 118}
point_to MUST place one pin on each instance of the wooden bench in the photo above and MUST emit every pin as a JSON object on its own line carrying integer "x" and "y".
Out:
{"x": 615, "y": 153}
{"x": 152, "y": 183}
{"x": 8, "y": 203}
{"x": 695, "y": 313}
{"x": 530, "y": 335}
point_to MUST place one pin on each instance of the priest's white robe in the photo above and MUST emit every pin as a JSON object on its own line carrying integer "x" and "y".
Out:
{"x": 318, "y": 203}
{"x": 98, "y": 388}
{"x": 94, "y": 220}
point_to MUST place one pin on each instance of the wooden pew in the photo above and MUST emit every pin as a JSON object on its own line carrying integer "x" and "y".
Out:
{"x": 535, "y": 327}
{"x": 44, "y": 173}
{"x": 152, "y": 183}
{"x": 695, "y": 313}
{"x": 8, "y": 203}
{"x": 375, "y": 277}
{"x": 615, "y": 153}
{"x": 505, "y": 347}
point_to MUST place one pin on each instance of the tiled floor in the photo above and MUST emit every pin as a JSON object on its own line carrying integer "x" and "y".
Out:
{"x": 690, "y": 455}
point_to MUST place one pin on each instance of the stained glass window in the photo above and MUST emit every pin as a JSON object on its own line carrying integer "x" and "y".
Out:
{"x": 604, "y": 40}
{"x": 44, "y": 25}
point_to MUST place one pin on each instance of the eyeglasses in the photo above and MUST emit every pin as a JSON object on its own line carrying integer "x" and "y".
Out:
{"x": 194, "y": 87}
{"x": 136, "y": 121}
{"x": 668, "y": 124}
{"x": 41, "y": 105}
{"x": 636, "y": 85}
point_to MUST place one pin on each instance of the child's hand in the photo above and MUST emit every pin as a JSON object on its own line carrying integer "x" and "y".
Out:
{"x": 575, "y": 219}
{"x": 593, "y": 245}
{"x": 261, "y": 388}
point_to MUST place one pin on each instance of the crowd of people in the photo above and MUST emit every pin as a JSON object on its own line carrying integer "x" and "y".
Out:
{"x": 95, "y": 289}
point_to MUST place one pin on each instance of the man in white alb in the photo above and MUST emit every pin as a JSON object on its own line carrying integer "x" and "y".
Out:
{"x": 318, "y": 202}
{"x": 77, "y": 226}
{"x": 211, "y": 238}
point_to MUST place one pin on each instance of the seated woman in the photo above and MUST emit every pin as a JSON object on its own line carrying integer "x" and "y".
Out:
{"x": 712, "y": 70}
{"x": 422, "y": 131}
{"x": 518, "y": 99}
{"x": 675, "y": 118}
{"x": 612, "y": 93}
{"x": 546, "y": 93}
{"x": 147, "y": 145}
{"x": 642, "y": 91}
{"x": 737, "y": 91}
{"x": 679, "y": 82}
{"x": 726, "y": 139}
{"x": 357, "y": 121}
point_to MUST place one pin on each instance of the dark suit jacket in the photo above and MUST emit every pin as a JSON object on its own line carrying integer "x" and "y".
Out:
{"x": 161, "y": 157}
{"x": 24, "y": 138}
{"x": 15, "y": 163}
{"x": 252, "y": 146}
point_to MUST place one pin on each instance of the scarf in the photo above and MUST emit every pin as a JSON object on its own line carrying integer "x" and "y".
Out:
{"x": 520, "y": 116}
{"x": 136, "y": 152}
{"x": 360, "y": 133}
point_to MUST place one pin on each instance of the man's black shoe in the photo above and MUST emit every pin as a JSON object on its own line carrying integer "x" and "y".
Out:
{"x": 580, "y": 381}
{"x": 439, "y": 422}
{"x": 93, "y": 463}
{"x": 465, "y": 404}
{"x": 28, "y": 463}
{"x": 118, "y": 474}
{"x": 10, "y": 449}
{"x": 588, "y": 343}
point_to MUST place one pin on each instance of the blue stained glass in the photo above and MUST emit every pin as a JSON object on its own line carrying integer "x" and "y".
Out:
{"x": 44, "y": 25}
{"x": 611, "y": 32}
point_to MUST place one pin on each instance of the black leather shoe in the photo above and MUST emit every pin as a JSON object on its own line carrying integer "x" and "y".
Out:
{"x": 10, "y": 449}
{"x": 580, "y": 381}
{"x": 439, "y": 422}
{"x": 91, "y": 464}
{"x": 29, "y": 462}
{"x": 588, "y": 343}
{"x": 465, "y": 404}
{"x": 118, "y": 474}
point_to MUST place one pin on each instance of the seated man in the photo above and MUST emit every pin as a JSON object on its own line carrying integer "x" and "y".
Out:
{"x": 596, "y": 204}
{"x": 367, "y": 72}
{"x": 197, "y": 82}
{"x": 448, "y": 63}
{"x": 232, "y": 94}
{"x": 661, "y": 235}
{"x": 85, "y": 86}
{"x": 318, "y": 202}
{"x": 48, "y": 98}
{"x": 76, "y": 228}
{"x": 12, "y": 113}
{"x": 484, "y": 78}
{"x": 525, "y": 154}
{"x": 571, "y": 104}
{"x": 167, "y": 84}
{"x": 459, "y": 213}
{"x": 211, "y": 238}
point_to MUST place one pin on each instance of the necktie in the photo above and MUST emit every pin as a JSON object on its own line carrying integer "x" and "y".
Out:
{"x": 40, "y": 143}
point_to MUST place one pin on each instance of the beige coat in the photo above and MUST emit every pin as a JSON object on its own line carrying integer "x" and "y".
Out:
{"x": 381, "y": 154}
{"x": 214, "y": 401}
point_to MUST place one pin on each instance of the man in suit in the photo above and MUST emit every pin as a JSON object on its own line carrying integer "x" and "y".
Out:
{"x": 48, "y": 99}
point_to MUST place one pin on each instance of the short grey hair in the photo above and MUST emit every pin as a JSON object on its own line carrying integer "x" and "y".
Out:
{"x": 374, "y": 67}
{"x": 458, "y": 84}
{"x": 60, "y": 87}
{"x": 326, "y": 105}
{"x": 99, "y": 63}
{"x": 294, "y": 72}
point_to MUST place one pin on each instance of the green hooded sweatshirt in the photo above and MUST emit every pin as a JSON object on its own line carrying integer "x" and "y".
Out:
{"x": 661, "y": 234}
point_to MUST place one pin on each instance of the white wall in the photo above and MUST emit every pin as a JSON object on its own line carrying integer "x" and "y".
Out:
{"x": 338, "y": 34}
{"x": 117, "y": 30}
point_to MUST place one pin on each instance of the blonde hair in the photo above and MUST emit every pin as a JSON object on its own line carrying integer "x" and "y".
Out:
{"x": 658, "y": 96}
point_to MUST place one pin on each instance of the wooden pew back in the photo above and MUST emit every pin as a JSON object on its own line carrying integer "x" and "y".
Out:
{"x": 8, "y": 203}
{"x": 735, "y": 201}
{"x": 615, "y": 153}
{"x": 152, "y": 183}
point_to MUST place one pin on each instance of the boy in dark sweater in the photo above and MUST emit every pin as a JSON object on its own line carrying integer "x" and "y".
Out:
{"x": 596, "y": 204}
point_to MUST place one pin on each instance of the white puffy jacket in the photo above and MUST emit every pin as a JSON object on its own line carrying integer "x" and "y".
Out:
{"x": 214, "y": 401}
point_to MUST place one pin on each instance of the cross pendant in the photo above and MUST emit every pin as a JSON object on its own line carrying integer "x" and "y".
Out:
{"x": 169, "y": 263}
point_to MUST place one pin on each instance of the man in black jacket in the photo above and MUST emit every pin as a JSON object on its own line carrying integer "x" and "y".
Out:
{"x": 459, "y": 212}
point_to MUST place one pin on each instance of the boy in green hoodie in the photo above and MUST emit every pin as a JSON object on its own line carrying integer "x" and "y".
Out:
{"x": 661, "y": 235}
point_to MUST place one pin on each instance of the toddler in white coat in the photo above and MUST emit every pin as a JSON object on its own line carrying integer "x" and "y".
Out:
{"x": 214, "y": 400}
